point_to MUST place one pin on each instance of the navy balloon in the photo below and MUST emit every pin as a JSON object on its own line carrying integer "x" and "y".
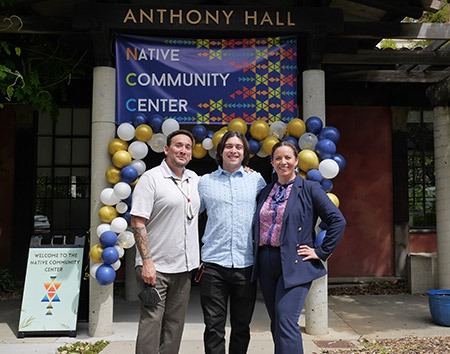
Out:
{"x": 155, "y": 122}
{"x": 319, "y": 238}
{"x": 314, "y": 175}
{"x": 128, "y": 200}
{"x": 127, "y": 216}
{"x": 329, "y": 133}
{"x": 210, "y": 134}
{"x": 199, "y": 132}
{"x": 254, "y": 146}
{"x": 139, "y": 119}
{"x": 105, "y": 274}
{"x": 129, "y": 174}
{"x": 108, "y": 239}
{"x": 327, "y": 185}
{"x": 292, "y": 140}
{"x": 313, "y": 125}
{"x": 340, "y": 160}
{"x": 325, "y": 148}
{"x": 110, "y": 255}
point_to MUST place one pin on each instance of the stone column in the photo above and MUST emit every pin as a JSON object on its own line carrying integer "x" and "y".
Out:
{"x": 439, "y": 95}
{"x": 316, "y": 305}
{"x": 103, "y": 130}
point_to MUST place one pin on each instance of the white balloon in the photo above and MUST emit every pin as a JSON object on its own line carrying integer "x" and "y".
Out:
{"x": 261, "y": 153}
{"x": 207, "y": 144}
{"x": 108, "y": 197}
{"x": 125, "y": 131}
{"x": 94, "y": 268}
{"x": 212, "y": 152}
{"x": 119, "y": 249}
{"x": 308, "y": 141}
{"x": 328, "y": 168}
{"x": 278, "y": 129}
{"x": 157, "y": 142}
{"x": 102, "y": 228}
{"x": 169, "y": 126}
{"x": 138, "y": 150}
{"x": 119, "y": 224}
{"x": 126, "y": 239}
{"x": 121, "y": 207}
{"x": 139, "y": 165}
{"x": 116, "y": 265}
{"x": 122, "y": 190}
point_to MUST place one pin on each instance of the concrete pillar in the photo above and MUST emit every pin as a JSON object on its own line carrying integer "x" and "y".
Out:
{"x": 442, "y": 180}
{"x": 316, "y": 304}
{"x": 103, "y": 130}
{"x": 439, "y": 95}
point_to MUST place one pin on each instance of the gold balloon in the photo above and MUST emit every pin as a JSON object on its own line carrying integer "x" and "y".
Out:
{"x": 296, "y": 128}
{"x": 259, "y": 130}
{"x": 224, "y": 129}
{"x": 116, "y": 145}
{"x": 96, "y": 253}
{"x": 239, "y": 125}
{"x": 307, "y": 160}
{"x": 112, "y": 175}
{"x": 143, "y": 132}
{"x": 107, "y": 213}
{"x": 121, "y": 158}
{"x": 334, "y": 199}
{"x": 217, "y": 136}
{"x": 268, "y": 144}
{"x": 199, "y": 151}
{"x": 302, "y": 174}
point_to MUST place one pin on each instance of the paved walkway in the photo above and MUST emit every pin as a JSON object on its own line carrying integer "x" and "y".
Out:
{"x": 350, "y": 317}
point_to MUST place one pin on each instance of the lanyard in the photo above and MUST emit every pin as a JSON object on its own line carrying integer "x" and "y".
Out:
{"x": 187, "y": 195}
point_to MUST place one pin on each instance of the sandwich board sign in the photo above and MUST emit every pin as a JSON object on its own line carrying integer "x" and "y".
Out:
{"x": 52, "y": 288}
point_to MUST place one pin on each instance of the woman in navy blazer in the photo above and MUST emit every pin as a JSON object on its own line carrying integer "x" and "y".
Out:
{"x": 286, "y": 259}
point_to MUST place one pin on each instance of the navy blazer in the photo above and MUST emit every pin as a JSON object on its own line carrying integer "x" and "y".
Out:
{"x": 306, "y": 202}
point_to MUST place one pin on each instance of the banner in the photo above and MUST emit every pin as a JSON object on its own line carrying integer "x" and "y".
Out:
{"x": 208, "y": 81}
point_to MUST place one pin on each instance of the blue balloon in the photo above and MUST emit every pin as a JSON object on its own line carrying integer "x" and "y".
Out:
{"x": 129, "y": 174}
{"x": 327, "y": 185}
{"x": 254, "y": 146}
{"x": 199, "y": 132}
{"x": 330, "y": 133}
{"x": 325, "y": 148}
{"x": 105, "y": 274}
{"x": 110, "y": 255}
{"x": 108, "y": 239}
{"x": 210, "y": 134}
{"x": 139, "y": 119}
{"x": 340, "y": 161}
{"x": 319, "y": 238}
{"x": 292, "y": 140}
{"x": 155, "y": 122}
{"x": 127, "y": 216}
{"x": 313, "y": 125}
{"x": 314, "y": 175}
{"x": 128, "y": 200}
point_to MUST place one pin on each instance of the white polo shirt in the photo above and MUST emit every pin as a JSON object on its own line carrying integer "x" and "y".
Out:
{"x": 173, "y": 238}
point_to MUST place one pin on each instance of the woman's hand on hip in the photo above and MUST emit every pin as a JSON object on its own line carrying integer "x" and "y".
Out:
{"x": 308, "y": 252}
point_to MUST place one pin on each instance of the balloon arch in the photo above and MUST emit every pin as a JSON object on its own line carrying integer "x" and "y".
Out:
{"x": 317, "y": 161}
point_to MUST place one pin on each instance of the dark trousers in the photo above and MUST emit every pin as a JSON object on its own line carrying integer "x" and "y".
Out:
{"x": 283, "y": 305}
{"x": 218, "y": 284}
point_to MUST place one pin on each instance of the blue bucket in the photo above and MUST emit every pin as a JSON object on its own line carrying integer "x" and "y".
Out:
{"x": 439, "y": 302}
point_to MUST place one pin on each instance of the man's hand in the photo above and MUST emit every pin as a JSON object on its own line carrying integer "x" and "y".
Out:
{"x": 142, "y": 243}
{"x": 148, "y": 272}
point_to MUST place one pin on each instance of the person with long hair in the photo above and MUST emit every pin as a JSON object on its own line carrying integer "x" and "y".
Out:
{"x": 286, "y": 258}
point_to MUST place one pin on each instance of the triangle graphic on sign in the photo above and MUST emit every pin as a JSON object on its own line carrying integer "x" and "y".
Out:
{"x": 52, "y": 288}
{"x": 49, "y": 313}
{"x": 57, "y": 285}
{"x": 45, "y": 299}
{"x": 51, "y": 295}
{"x": 50, "y": 306}
{"x": 56, "y": 298}
{"x": 47, "y": 285}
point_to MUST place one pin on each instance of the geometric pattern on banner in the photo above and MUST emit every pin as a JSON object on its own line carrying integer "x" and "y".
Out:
{"x": 253, "y": 78}
{"x": 51, "y": 295}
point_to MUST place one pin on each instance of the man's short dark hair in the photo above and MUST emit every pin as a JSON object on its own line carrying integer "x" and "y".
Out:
{"x": 222, "y": 142}
{"x": 178, "y": 132}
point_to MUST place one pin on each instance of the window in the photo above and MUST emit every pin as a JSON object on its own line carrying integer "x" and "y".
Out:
{"x": 421, "y": 188}
{"x": 63, "y": 174}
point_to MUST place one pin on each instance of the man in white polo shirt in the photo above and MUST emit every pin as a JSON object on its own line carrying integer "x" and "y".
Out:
{"x": 164, "y": 220}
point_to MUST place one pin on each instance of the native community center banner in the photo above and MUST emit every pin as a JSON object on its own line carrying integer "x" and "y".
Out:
{"x": 209, "y": 81}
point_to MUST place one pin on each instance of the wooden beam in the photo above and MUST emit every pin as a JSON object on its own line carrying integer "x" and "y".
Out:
{"x": 380, "y": 30}
{"x": 432, "y": 5}
{"x": 389, "y": 57}
{"x": 388, "y": 76}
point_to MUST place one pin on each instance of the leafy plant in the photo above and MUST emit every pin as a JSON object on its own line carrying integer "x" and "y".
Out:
{"x": 83, "y": 347}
